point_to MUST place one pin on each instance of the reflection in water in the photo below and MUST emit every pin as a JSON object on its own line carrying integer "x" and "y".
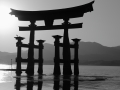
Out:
{"x": 30, "y": 83}
{"x": 40, "y": 82}
{"x": 18, "y": 84}
{"x": 4, "y": 74}
{"x": 2, "y": 77}
{"x": 56, "y": 83}
{"x": 66, "y": 85}
{"x": 87, "y": 81}
{"x": 76, "y": 83}
{"x": 66, "y": 82}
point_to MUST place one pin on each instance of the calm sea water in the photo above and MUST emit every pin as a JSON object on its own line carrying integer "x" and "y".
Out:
{"x": 90, "y": 78}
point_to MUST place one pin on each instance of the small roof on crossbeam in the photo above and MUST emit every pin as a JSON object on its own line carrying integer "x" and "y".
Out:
{"x": 72, "y": 12}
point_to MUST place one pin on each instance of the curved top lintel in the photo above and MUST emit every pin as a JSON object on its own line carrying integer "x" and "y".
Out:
{"x": 72, "y": 12}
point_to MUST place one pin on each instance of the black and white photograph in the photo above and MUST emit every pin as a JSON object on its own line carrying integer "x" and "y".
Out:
{"x": 59, "y": 45}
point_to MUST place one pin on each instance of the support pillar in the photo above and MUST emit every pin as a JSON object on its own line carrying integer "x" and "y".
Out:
{"x": 40, "y": 58}
{"x": 57, "y": 55}
{"x": 66, "y": 50}
{"x": 18, "y": 59}
{"x": 30, "y": 65}
{"x": 76, "y": 58}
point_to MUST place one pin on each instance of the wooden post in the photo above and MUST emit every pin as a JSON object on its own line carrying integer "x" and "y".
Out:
{"x": 57, "y": 55}
{"x": 30, "y": 66}
{"x": 76, "y": 58}
{"x": 18, "y": 59}
{"x": 49, "y": 22}
{"x": 40, "y": 67}
{"x": 66, "y": 50}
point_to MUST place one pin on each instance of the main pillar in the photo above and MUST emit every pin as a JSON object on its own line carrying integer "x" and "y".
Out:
{"x": 30, "y": 66}
{"x": 57, "y": 55}
{"x": 66, "y": 50}
{"x": 18, "y": 59}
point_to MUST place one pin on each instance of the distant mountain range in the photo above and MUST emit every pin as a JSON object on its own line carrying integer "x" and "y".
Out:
{"x": 90, "y": 53}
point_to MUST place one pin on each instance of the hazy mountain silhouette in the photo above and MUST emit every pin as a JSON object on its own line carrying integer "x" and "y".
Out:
{"x": 117, "y": 47}
{"x": 5, "y": 57}
{"x": 90, "y": 53}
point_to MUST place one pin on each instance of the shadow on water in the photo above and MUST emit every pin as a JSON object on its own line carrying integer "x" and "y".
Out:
{"x": 28, "y": 84}
{"x": 57, "y": 85}
{"x": 57, "y": 82}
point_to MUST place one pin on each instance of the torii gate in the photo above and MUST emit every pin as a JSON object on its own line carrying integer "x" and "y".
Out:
{"x": 49, "y": 16}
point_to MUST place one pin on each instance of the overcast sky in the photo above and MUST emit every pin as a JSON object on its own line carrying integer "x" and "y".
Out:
{"x": 101, "y": 25}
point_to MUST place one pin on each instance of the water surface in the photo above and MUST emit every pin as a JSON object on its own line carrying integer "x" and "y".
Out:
{"x": 90, "y": 78}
